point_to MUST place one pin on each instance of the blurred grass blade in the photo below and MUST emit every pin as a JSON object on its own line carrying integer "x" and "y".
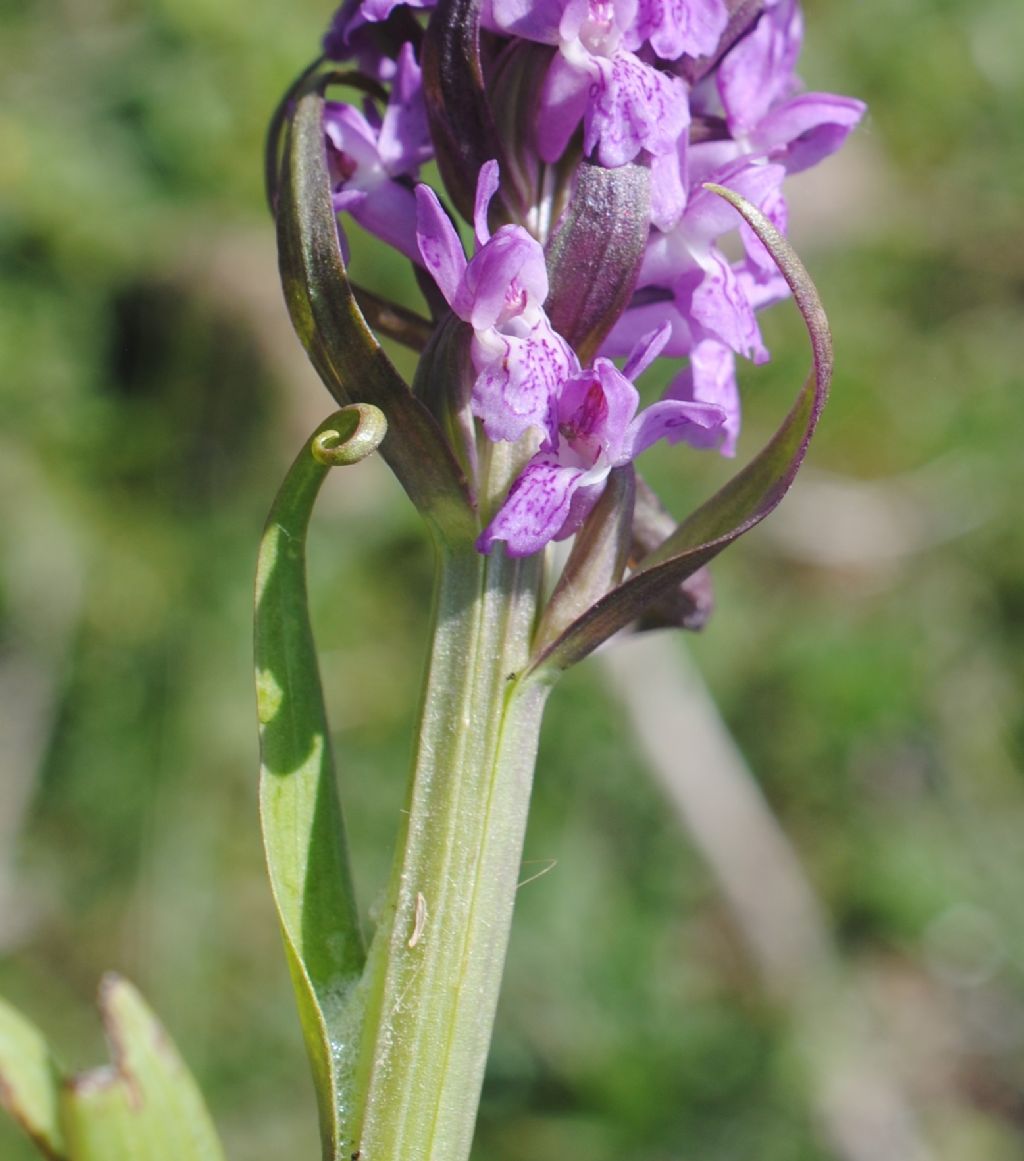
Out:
{"x": 303, "y": 831}
{"x": 30, "y": 1081}
{"x": 745, "y": 500}
{"x": 146, "y": 1107}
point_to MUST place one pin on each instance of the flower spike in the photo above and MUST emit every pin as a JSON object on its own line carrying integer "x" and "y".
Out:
{"x": 618, "y": 170}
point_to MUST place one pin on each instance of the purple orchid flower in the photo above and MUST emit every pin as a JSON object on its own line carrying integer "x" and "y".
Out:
{"x": 367, "y": 158}
{"x": 346, "y": 37}
{"x": 709, "y": 302}
{"x": 710, "y": 296}
{"x": 761, "y": 100}
{"x": 518, "y": 356}
{"x": 625, "y": 104}
{"x": 594, "y": 427}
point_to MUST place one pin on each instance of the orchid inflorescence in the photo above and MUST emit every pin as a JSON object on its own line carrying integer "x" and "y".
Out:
{"x": 517, "y": 100}
{"x": 602, "y": 152}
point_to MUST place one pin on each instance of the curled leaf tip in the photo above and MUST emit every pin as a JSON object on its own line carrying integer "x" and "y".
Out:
{"x": 795, "y": 273}
{"x": 350, "y": 435}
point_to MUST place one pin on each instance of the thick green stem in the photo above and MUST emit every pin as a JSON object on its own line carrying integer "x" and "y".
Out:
{"x": 434, "y": 966}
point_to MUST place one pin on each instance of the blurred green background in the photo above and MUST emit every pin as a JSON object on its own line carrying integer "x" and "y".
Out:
{"x": 866, "y": 653}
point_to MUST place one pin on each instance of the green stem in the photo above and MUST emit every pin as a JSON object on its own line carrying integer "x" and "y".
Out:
{"x": 434, "y": 967}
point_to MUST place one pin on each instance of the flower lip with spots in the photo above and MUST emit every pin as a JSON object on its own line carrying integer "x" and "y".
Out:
{"x": 595, "y": 426}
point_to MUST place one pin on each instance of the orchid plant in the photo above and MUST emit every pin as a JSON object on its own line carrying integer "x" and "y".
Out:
{"x": 600, "y": 153}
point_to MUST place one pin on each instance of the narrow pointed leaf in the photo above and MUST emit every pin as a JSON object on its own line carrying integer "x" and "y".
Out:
{"x": 30, "y": 1081}
{"x": 317, "y": 75}
{"x": 743, "y": 503}
{"x": 338, "y": 340}
{"x": 146, "y": 1107}
{"x": 594, "y": 259}
{"x": 690, "y": 604}
{"x": 303, "y": 831}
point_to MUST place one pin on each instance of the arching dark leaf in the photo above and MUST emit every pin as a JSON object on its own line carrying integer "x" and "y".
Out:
{"x": 338, "y": 340}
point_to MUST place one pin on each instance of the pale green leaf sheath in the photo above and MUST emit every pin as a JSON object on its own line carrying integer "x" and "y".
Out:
{"x": 435, "y": 963}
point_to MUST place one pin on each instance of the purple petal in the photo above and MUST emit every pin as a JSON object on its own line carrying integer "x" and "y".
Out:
{"x": 340, "y": 40}
{"x": 486, "y": 188}
{"x": 639, "y": 320}
{"x": 518, "y": 377}
{"x": 535, "y": 20}
{"x": 632, "y": 107}
{"x": 719, "y": 307}
{"x": 577, "y": 13}
{"x": 675, "y": 27}
{"x": 803, "y": 131}
{"x": 711, "y": 379}
{"x": 389, "y": 212}
{"x": 404, "y": 141}
{"x": 439, "y": 244}
{"x": 708, "y": 216}
{"x": 762, "y": 287}
{"x": 346, "y": 200}
{"x": 582, "y": 413}
{"x": 758, "y": 71}
{"x": 506, "y": 277}
{"x": 375, "y": 11}
{"x": 354, "y": 140}
{"x": 563, "y": 102}
{"x": 668, "y": 186}
{"x": 674, "y": 420}
{"x": 594, "y": 409}
{"x": 585, "y": 495}
{"x": 622, "y": 400}
{"x": 536, "y": 508}
{"x": 360, "y": 184}
{"x": 336, "y": 39}
{"x": 647, "y": 349}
